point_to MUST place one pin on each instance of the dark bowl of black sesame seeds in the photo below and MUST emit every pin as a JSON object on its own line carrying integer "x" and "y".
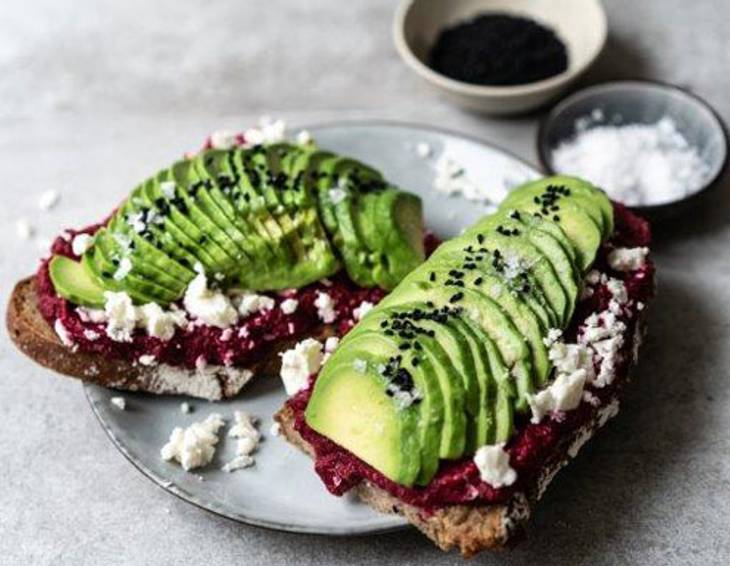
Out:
{"x": 500, "y": 56}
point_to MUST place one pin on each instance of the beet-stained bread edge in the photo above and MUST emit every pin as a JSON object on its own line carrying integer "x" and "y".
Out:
{"x": 36, "y": 338}
{"x": 473, "y": 528}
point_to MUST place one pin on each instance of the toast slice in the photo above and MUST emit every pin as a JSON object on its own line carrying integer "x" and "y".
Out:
{"x": 36, "y": 338}
{"x": 474, "y": 528}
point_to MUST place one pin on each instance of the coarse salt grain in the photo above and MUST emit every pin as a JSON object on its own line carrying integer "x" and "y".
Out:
{"x": 636, "y": 164}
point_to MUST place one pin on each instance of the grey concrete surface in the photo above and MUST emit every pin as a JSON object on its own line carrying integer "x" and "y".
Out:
{"x": 96, "y": 93}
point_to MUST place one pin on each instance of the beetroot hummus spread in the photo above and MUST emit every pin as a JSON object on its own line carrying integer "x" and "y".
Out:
{"x": 238, "y": 345}
{"x": 532, "y": 445}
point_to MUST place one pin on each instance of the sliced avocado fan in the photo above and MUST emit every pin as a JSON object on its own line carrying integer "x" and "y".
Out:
{"x": 448, "y": 359}
{"x": 262, "y": 218}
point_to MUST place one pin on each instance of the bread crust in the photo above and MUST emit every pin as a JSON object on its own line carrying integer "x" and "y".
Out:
{"x": 35, "y": 338}
{"x": 474, "y": 528}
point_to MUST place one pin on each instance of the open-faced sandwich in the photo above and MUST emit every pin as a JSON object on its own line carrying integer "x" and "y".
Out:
{"x": 458, "y": 397}
{"x": 216, "y": 263}
{"x": 453, "y": 400}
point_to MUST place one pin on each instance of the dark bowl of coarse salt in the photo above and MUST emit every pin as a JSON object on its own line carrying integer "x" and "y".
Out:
{"x": 651, "y": 146}
{"x": 500, "y": 56}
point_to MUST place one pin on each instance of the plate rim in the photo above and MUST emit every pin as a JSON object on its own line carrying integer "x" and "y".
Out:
{"x": 213, "y": 508}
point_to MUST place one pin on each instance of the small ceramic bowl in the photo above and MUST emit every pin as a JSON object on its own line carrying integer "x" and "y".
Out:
{"x": 581, "y": 24}
{"x": 642, "y": 102}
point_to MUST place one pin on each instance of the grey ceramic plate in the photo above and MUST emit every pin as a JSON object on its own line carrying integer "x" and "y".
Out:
{"x": 282, "y": 491}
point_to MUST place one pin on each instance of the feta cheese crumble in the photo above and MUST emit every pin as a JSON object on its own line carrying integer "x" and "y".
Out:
{"x": 494, "y": 467}
{"x": 269, "y": 131}
{"x": 325, "y": 307}
{"x": 63, "y": 334}
{"x": 81, "y": 244}
{"x": 563, "y": 394}
{"x": 289, "y": 306}
{"x": 250, "y": 303}
{"x": 364, "y": 308}
{"x": 248, "y": 438}
{"x": 124, "y": 268}
{"x": 275, "y": 429}
{"x": 627, "y": 259}
{"x": 223, "y": 139}
{"x": 160, "y": 323}
{"x": 119, "y": 402}
{"x": 24, "y": 229}
{"x": 304, "y": 137}
{"x": 423, "y": 150}
{"x": 121, "y": 316}
{"x": 207, "y": 305}
{"x": 49, "y": 199}
{"x": 186, "y": 408}
{"x": 299, "y": 363}
{"x": 452, "y": 179}
{"x": 147, "y": 360}
{"x": 193, "y": 447}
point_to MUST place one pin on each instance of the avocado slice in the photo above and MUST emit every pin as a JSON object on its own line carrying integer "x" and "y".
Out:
{"x": 431, "y": 404}
{"x": 102, "y": 270}
{"x": 338, "y": 193}
{"x": 352, "y": 408}
{"x": 477, "y": 306}
{"x": 75, "y": 283}
{"x": 251, "y": 201}
{"x": 568, "y": 276}
{"x": 420, "y": 338}
{"x": 111, "y": 248}
{"x": 221, "y": 192}
{"x": 595, "y": 201}
{"x": 582, "y": 230}
{"x": 390, "y": 224}
{"x": 515, "y": 258}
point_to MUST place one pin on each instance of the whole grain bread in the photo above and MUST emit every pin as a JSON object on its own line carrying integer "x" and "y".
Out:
{"x": 474, "y": 528}
{"x": 32, "y": 334}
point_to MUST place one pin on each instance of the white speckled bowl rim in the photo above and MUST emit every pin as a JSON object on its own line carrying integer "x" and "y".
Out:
{"x": 282, "y": 491}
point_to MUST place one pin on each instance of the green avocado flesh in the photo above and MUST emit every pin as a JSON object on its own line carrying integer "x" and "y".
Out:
{"x": 262, "y": 218}
{"x": 455, "y": 351}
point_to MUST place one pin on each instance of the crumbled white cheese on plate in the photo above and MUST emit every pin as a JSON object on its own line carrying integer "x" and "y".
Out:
{"x": 49, "y": 199}
{"x": 423, "y": 150}
{"x": 248, "y": 438}
{"x": 24, "y": 229}
{"x": 194, "y": 447}
{"x": 119, "y": 402}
